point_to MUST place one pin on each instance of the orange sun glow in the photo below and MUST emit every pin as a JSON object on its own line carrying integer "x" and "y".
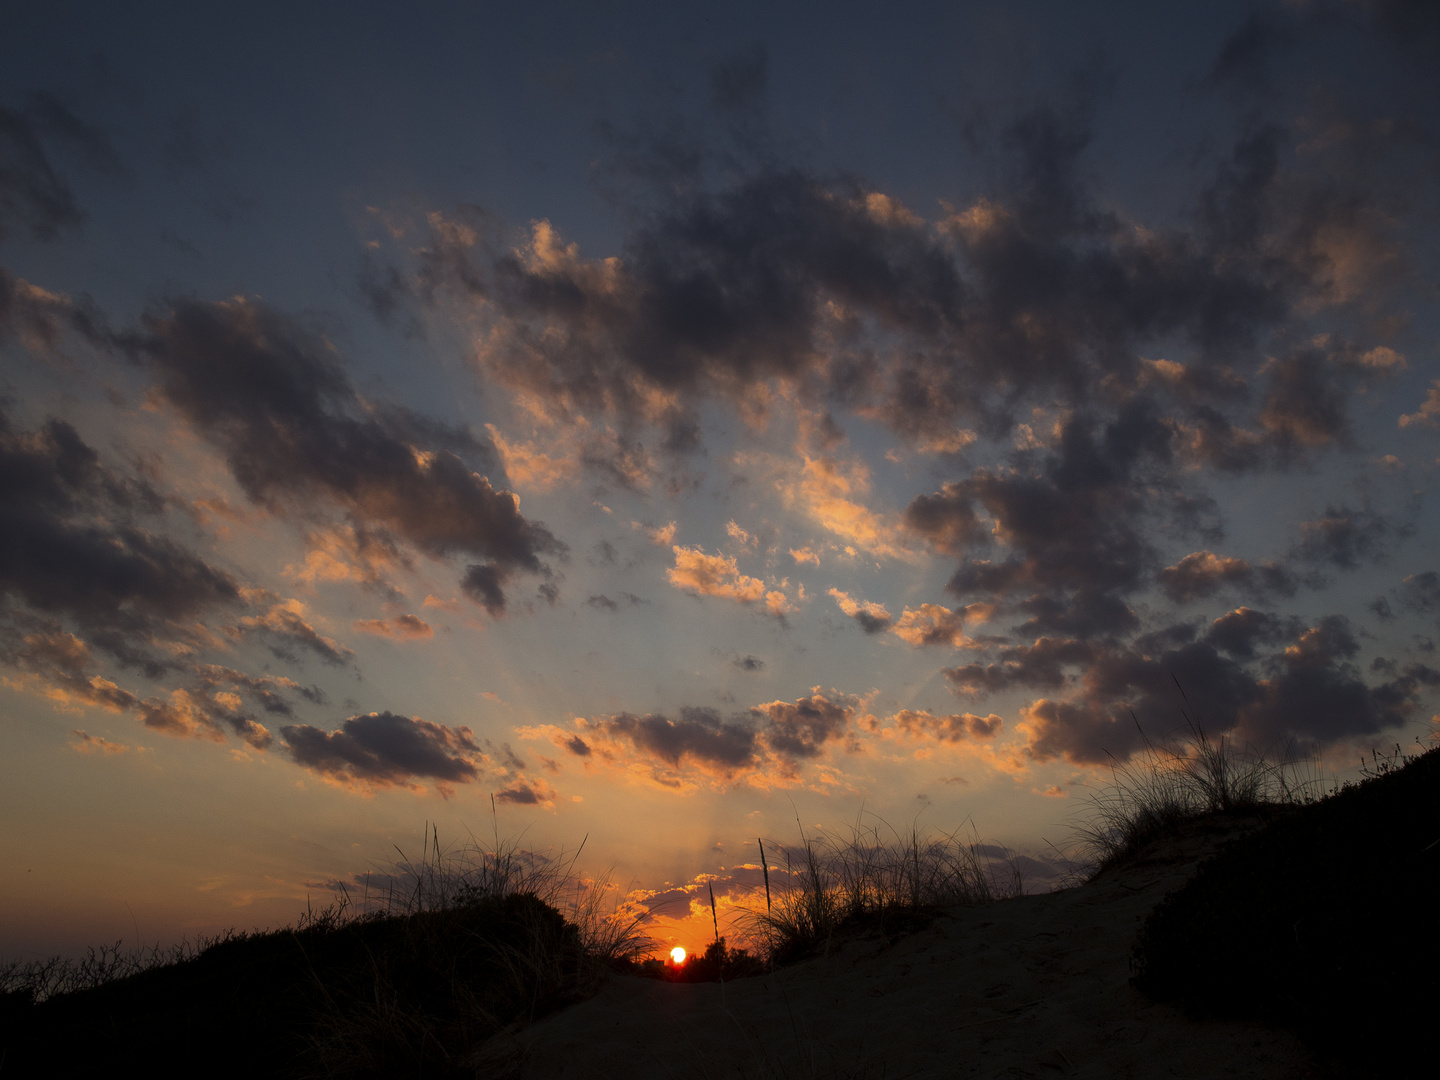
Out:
{"x": 677, "y": 955}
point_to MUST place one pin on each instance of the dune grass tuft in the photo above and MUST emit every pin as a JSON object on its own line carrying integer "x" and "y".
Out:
{"x": 1163, "y": 786}
{"x": 872, "y": 877}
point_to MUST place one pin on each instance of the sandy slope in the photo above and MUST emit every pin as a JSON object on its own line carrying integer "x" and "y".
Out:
{"x": 1031, "y": 987}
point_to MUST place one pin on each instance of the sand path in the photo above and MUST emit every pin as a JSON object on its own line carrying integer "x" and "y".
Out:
{"x": 1033, "y": 987}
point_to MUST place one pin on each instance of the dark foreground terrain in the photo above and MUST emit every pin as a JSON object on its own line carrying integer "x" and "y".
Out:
{"x": 392, "y": 996}
{"x": 1283, "y": 942}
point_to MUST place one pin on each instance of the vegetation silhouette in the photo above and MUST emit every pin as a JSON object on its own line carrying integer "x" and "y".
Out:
{"x": 416, "y": 985}
{"x": 1316, "y": 920}
{"x": 465, "y": 946}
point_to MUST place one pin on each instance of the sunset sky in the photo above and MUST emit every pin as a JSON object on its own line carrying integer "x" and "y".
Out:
{"x": 684, "y": 426}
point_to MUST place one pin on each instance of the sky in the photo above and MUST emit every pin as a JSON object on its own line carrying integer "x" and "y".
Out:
{"x": 662, "y": 428}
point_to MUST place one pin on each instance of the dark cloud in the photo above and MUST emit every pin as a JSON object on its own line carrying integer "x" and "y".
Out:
{"x": 1040, "y": 666}
{"x": 603, "y": 603}
{"x": 1305, "y": 694}
{"x": 388, "y": 295}
{"x": 1072, "y": 521}
{"x": 75, "y": 545}
{"x": 1241, "y": 632}
{"x": 698, "y": 736}
{"x": 265, "y": 690}
{"x": 714, "y": 293}
{"x": 1345, "y": 538}
{"x": 383, "y": 749}
{"x": 287, "y": 633}
{"x": 1202, "y": 574}
{"x": 748, "y": 663}
{"x": 770, "y": 742}
{"x": 39, "y": 319}
{"x": 527, "y": 793}
{"x": 1421, "y": 592}
{"x": 273, "y": 396}
{"x": 872, "y": 624}
{"x": 34, "y": 196}
{"x": 800, "y": 729}
{"x": 1033, "y": 296}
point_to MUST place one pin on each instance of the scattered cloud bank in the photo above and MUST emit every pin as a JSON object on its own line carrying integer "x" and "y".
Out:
{"x": 1046, "y": 392}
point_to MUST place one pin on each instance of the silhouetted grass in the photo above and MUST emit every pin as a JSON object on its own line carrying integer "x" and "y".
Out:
{"x": 1319, "y": 920}
{"x": 1162, "y": 786}
{"x": 876, "y": 878}
{"x": 458, "y": 947}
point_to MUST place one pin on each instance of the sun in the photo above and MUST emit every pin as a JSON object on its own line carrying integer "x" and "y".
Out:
{"x": 677, "y": 955}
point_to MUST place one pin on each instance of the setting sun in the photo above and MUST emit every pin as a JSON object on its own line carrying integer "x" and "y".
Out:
{"x": 677, "y": 956}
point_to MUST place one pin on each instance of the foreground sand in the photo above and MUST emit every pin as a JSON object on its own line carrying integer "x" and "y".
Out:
{"x": 1023, "y": 988}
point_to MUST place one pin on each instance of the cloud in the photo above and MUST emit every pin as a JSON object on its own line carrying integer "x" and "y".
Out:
{"x": 660, "y": 536}
{"x": 94, "y": 744}
{"x": 39, "y": 318}
{"x": 1344, "y": 538}
{"x": 601, "y": 602}
{"x": 77, "y": 545}
{"x": 381, "y": 749}
{"x": 1027, "y": 317}
{"x": 935, "y": 624}
{"x": 698, "y": 738}
{"x": 34, "y": 196}
{"x": 397, "y": 627}
{"x": 800, "y": 729}
{"x": 923, "y": 725}
{"x": 532, "y": 468}
{"x": 523, "y": 792}
{"x": 1202, "y": 574}
{"x": 1429, "y": 411}
{"x": 286, "y": 629}
{"x": 872, "y": 617}
{"x": 719, "y": 576}
{"x": 273, "y": 396}
{"x": 828, "y": 491}
{"x": 777, "y": 743}
{"x": 1305, "y": 692}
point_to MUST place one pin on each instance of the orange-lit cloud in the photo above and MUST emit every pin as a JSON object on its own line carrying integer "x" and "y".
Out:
{"x": 94, "y": 744}
{"x": 935, "y": 624}
{"x": 661, "y": 535}
{"x": 829, "y": 492}
{"x": 804, "y": 555}
{"x": 720, "y": 576}
{"x": 872, "y": 617}
{"x": 397, "y": 627}
{"x": 922, "y": 724}
{"x": 533, "y": 469}
{"x": 1429, "y": 411}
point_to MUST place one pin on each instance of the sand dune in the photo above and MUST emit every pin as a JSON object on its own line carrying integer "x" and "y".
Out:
{"x": 1037, "y": 986}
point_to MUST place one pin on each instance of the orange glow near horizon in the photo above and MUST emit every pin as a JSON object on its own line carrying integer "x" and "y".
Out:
{"x": 677, "y": 956}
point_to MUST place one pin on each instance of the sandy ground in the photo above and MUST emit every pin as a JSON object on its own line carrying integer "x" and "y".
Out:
{"x": 1032, "y": 987}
